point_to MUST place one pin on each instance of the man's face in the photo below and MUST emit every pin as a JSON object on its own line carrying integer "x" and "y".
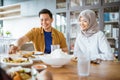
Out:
{"x": 45, "y": 21}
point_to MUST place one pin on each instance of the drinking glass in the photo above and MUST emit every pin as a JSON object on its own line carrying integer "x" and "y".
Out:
{"x": 83, "y": 64}
{"x": 53, "y": 47}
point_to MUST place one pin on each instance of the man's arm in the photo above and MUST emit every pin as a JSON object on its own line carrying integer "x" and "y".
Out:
{"x": 16, "y": 47}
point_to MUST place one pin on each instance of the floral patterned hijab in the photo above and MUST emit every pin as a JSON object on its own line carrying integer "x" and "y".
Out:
{"x": 90, "y": 17}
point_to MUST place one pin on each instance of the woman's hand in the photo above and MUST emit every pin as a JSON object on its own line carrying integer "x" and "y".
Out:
{"x": 97, "y": 61}
{"x": 13, "y": 49}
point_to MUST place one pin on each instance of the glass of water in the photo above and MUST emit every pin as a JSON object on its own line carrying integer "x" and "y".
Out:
{"x": 83, "y": 65}
{"x": 53, "y": 47}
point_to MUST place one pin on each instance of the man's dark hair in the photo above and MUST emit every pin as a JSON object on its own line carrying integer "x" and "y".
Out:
{"x": 46, "y": 11}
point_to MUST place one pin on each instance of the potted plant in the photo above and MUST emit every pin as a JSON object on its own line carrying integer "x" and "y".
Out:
{"x": 8, "y": 33}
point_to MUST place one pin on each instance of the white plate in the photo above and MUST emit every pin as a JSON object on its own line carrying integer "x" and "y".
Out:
{"x": 11, "y": 71}
{"x": 38, "y": 53}
{"x": 18, "y": 68}
{"x": 17, "y": 64}
{"x": 37, "y": 58}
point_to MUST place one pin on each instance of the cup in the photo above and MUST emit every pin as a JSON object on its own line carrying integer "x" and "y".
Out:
{"x": 53, "y": 47}
{"x": 83, "y": 65}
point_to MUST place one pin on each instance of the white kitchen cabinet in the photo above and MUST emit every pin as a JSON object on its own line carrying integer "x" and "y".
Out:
{"x": 32, "y": 8}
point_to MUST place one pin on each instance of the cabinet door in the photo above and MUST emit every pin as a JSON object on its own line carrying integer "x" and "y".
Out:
{"x": 60, "y": 4}
{"x": 50, "y": 4}
{"x": 32, "y": 8}
{"x": 92, "y": 2}
{"x": 111, "y": 1}
{"x": 61, "y": 22}
{"x": 75, "y": 3}
{"x": 74, "y": 28}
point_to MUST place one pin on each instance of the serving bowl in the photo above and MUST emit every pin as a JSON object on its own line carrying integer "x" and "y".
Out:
{"x": 55, "y": 62}
{"x": 56, "y": 58}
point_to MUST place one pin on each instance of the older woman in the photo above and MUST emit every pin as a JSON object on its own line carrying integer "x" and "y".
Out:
{"x": 90, "y": 39}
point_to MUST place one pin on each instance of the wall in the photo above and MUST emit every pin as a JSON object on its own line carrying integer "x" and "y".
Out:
{"x": 19, "y": 26}
{"x": 8, "y": 2}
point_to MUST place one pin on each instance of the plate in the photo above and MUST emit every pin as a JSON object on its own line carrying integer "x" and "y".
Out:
{"x": 16, "y": 61}
{"x": 36, "y": 58}
{"x": 38, "y": 53}
{"x": 18, "y": 68}
{"x": 24, "y": 73}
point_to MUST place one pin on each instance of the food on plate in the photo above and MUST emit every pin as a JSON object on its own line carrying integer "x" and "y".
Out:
{"x": 21, "y": 76}
{"x": 20, "y": 73}
{"x": 27, "y": 55}
{"x": 58, "y": 53}
{"x": 34, "y": 56}
{"x": 31, "y": 54}
{"x": 24, "y": 76}
{"x": 15, "y": 60}
{"x": 16, "y": 76}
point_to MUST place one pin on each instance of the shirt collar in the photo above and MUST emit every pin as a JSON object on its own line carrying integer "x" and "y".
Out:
{"x": 53, "y": 31}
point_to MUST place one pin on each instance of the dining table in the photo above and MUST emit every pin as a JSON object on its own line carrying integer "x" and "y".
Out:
{"x": 106, "y": 70}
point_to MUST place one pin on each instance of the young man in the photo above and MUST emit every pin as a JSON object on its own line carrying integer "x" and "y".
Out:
{"x": 42, "y": 37}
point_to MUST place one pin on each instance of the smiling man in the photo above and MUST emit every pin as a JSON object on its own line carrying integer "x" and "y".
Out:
{"x": 42, "y": 37}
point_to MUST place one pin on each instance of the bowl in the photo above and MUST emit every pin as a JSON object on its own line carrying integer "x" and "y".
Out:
{"x": 55, "y": 61}
{"x": 39, "y": 67}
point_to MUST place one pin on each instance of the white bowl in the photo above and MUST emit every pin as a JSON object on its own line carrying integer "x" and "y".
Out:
{"x": 55, "y": 61}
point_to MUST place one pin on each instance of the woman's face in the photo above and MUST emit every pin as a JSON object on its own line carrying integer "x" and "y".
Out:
{"x": 83, "y": 23}
{"x": 45, "y": 21}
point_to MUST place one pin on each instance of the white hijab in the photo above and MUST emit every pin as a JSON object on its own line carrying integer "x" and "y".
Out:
{"x": 90, "y": 16}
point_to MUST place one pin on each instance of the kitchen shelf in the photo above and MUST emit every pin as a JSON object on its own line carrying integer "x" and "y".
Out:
{"x": 111, "y": 22}
{"x": 10, "y": 11}
{"x": 108, "y": 14}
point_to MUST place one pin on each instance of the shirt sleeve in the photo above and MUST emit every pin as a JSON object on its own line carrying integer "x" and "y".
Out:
{"x": 30, "y": 34}
{"x": 76, "y": 47}
{"x": 105, "y": 51}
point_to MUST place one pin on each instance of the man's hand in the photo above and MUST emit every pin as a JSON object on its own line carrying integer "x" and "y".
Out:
{"x": 13, "y": 49}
